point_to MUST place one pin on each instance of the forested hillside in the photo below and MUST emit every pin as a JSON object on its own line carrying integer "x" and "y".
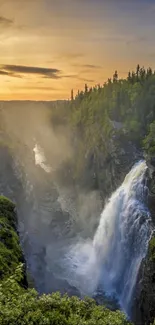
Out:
{"x": 122, "y": 106}
{"x": 112, "y": 125}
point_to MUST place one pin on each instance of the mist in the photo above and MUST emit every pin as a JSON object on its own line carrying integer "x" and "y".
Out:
{"x": 53, "y": 214}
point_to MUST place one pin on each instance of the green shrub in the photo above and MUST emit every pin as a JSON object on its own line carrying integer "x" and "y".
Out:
{"x": 10, "y": 250}
{"x": 24, "y": 307}
{"x": 7, "y": 210}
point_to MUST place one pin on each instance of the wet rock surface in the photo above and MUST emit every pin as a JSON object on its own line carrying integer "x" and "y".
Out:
{"x": 143, "y": 311}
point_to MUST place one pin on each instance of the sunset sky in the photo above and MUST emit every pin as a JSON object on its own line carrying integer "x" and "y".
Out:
{"x": 48, "y": 47}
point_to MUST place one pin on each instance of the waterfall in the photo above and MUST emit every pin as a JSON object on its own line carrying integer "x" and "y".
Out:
{"x": 112, "y": 259}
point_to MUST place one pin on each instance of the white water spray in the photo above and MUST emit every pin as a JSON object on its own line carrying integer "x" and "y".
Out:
{"x": 40, "y": 158}
{"x": 112, "y": 259}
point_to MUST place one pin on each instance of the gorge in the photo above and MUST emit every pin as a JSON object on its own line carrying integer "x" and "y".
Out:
{"x": 83, "y": 186}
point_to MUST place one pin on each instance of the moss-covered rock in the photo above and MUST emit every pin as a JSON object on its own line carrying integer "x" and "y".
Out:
{"x": 7, "y": 211}
{"x": 10, "y": 250}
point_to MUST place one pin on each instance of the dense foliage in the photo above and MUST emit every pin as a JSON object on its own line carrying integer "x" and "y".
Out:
{"x": 130, "y": 101}
{"x": 149, "y": 141}
{"x": 23, "y": 307}
{"x": 123, "y": 105}
{"x": 10, "y": 250}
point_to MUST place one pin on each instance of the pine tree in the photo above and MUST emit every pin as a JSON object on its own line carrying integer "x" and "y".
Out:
{"x": 142, "y": 74}
{"x": 137, "y": 71}
{"x": 149, "y": 72}
{"x": 129, "y": 76}
{"x": 86, "y": 88}
{"x": 133, "y": 77}
{"x": 115, "y": 76}
{"x": 72, "y": 94}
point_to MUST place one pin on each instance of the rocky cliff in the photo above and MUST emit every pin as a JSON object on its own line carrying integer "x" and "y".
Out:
{"x": 144, "y": 298}
{"x": 144, "y": 302}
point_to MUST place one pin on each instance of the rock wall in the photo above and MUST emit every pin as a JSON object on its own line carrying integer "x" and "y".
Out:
{"x": 144, "y": 297}
{"x": 144, "y": 302}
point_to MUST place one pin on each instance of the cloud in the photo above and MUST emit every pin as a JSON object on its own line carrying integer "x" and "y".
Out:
{"x": 5, "y": 21}
{"x": 74, "y": 76}
{"x": 79, "y": 78}
{"x": 51, "y": 73}
{"x": 19, "y": 71}
{"x": 6, "y": 73}
{"x": 40, "y": 88}
{"x": 86, "y": 80}
{"x": 88, "y": 66}
{"x": 92, "y": 66}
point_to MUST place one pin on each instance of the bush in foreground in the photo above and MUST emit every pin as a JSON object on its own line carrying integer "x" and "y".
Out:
{"x": 19, "y": 306}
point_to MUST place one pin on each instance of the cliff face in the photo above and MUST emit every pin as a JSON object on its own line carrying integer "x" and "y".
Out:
{"x": 111, "y": 170}
{"x": 144, "y": 301}
{"x": 103, "y": 168}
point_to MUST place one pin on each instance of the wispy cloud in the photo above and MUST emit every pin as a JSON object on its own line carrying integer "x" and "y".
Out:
{"x": 86, "y": 80}
{"x": 76, "y": 76}
{"x": 9, "y": 74}
{"x": 19, "y": 71}
{"x": 13, "y": 70}
{"x": 88, "y": 66}
{"x": 39, "y": 88}
{"x": 5, "y": 22}
{"x": 4, "y": 73}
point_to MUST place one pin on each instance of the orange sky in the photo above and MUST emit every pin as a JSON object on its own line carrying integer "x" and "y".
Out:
{"x": 48, "y": 47}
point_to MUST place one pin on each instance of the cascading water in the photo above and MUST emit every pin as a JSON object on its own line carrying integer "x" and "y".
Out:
{"x": 112, "y": 259}
{"x": 40, "y": 158}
